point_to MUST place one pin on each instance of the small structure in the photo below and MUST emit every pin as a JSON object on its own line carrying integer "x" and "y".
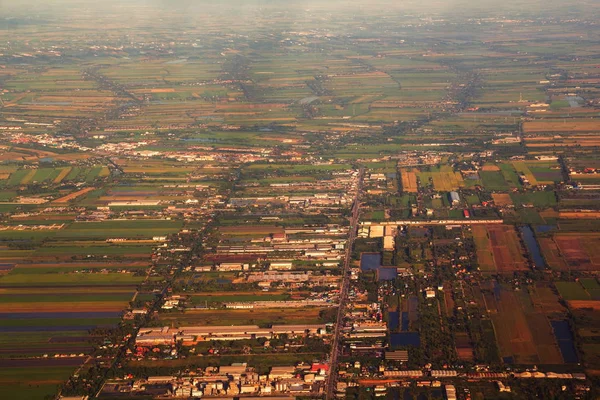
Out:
{"x": 454, "y": 198}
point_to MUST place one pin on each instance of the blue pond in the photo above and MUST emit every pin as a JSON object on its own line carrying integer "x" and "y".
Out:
{"x": 532, "y": 246}
{"x": 387, "y": 274}
{"x": 393, "y": 320}
{"x": 545, "y": 228}
{"x": 370, "y": 261}
{"x": 404, "y": 322}
{"x": 564, "y": 337}
{"x": 405, "y": 339}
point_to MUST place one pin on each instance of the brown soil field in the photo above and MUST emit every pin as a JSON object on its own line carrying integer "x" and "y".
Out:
{"x": 465, "y": 353}
{"x": 551, "y": 254}
{"x": 464, "y": 350}
{"x": 543, "y": 337}
{"x": 37, "y": 152}
{"x": 409, "y": 181}
{"x": 506, "y": 247}
{"x": 579, "y": 215}
{"x": 593, "y": 304}
{"x": 575, "y": 251}
{"x": 74, "y": 195}
{"x": 560, "y": 125}
{"x": 66, "y": 306}
{"x": 512, "y": 331}
{"x": 549, "y": 213}
{"x": 490, "y": 168}
{"x": 14, "y": 155}
{"x": 448, "y": 298}
{"x": 63, "y": 174}
{"x": 502, "y": 199}
{"x": 583, "y": 176}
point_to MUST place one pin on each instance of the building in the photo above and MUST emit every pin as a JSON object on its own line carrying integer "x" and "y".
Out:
{"x": 155, "y": 337}
{"x": 234, "y": 370}
{"x": 376, "y": 231}
{"x": 388, "y": 243}
{"x": 454, "y": 198}
{"x": 283, "y": 372}
{"x": 242, "y": 332}
{"x": 398, "y": 355}
{"x": 450, "y": 392}
{"x": 280, "y": 265}
{"x": 403, "y": 374}
{"x": 232, "y": 267}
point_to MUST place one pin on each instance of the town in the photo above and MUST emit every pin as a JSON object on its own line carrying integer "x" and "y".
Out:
{"x": 292, "y": 200}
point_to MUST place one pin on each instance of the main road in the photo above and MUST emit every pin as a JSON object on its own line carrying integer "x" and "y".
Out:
{"x": 344, "y": 286}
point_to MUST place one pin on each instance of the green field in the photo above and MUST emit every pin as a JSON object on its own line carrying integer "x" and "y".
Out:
{"x": 120, "y": 229}
{"x": 571, "y": 291}
{"x": 72, "y": 279}
{"x": 538, "y": 199}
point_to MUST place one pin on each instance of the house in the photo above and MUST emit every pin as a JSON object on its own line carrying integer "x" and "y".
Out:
{"x": 319, "y": 368}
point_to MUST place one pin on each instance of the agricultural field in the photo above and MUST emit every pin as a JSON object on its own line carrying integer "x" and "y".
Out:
{"x": 568, "y": 251}
{"x": 54, "y": 176}
{"x": 163, "y": 167}
{"x": 260, "y": 317}
{"x": 33, "y": 380}
{"x": 524, "y": 322}
{"x": 499, "y": 248}
{"x": 443, "y": 179}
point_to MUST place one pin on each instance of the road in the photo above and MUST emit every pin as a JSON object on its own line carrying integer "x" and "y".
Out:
{"x": 345, "y": 284}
